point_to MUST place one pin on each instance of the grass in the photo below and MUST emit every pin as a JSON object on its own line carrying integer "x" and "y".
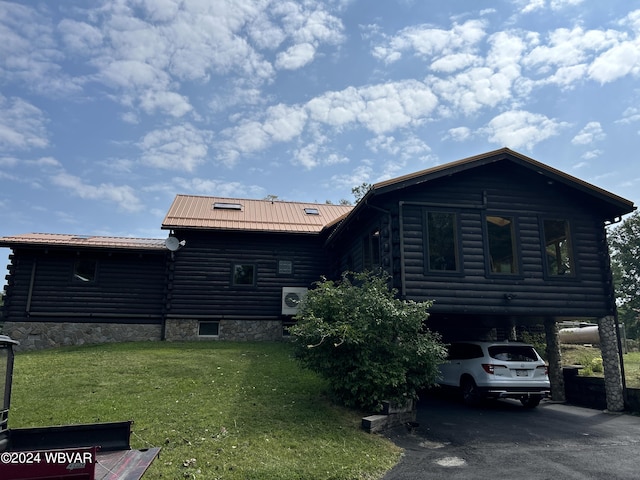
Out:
{"x": 218, "y": 410}
{"x": 591, "y": 359}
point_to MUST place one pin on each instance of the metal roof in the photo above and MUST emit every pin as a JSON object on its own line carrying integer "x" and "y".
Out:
{"x": 217, "y": 213}
{"x": 92, "y": 241}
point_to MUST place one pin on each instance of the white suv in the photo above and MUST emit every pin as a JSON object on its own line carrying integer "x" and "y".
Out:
{"x": 496, "y": 370}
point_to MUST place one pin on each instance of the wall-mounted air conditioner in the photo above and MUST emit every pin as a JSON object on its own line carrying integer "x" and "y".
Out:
{"x": 291, "y": 298}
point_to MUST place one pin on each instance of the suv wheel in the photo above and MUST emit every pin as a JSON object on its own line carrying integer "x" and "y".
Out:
{"x": 532, "y": 401}
{"x": 470, "y": 394}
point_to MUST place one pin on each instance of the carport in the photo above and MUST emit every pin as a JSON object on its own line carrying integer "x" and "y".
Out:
{"x": 501, "y": 243}
{"x": 527, "y": 328}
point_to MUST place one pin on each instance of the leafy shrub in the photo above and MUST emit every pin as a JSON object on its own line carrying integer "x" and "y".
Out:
{"x": 370, "y": 345}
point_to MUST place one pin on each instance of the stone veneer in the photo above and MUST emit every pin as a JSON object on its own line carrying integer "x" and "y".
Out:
{"x": 39, "y": 335}
{"x": 611, "y": 362}
{"x": 554, "y": 358}
{"x": 236, "y": 330}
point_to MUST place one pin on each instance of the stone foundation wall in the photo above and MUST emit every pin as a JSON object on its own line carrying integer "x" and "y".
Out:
{"x": 40, "y": 335}
{"x": 234, "y": 330}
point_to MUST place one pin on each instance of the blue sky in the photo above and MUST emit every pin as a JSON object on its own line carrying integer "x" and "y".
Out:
{"x": 108, "y": 109}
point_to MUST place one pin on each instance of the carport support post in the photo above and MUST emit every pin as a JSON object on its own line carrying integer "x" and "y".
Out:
{"x": 554, "y": 357}
{"x": 611, "y": 362}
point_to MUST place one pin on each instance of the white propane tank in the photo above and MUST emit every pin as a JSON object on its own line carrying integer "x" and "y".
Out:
{"x": 580, "y": 335}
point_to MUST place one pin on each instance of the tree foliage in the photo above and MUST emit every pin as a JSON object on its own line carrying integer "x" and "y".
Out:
{"x": 624, "y": 243}
{"x": 361, "y": 190}
{"x": 370, "y": 345}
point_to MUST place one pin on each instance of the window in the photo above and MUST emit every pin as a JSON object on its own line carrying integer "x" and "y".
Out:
{"x": 227, "y": 206}
{"x": 312, "y": 211}
{"x": 244, "y": 274}
{"x": 208, "y": 329}
{"x": 84, "y": 270}
{"x": 464, "y": 351}
{"x": 513, "y": 353}
{"x": 557, "y": 244}
{"x": 501, "y": 244}
{"x": 285, "y": 267}
{"x": 442, "y": 242}
{"x": 371, "y": 251}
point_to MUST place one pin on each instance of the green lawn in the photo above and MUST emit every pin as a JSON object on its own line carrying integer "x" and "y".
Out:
{"x": 591, "y": 359}
{"x": 218, "y": 410}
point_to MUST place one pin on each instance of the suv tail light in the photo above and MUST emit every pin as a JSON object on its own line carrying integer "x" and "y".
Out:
{"x": 495, "y": 369}
{"x": 544, "y": 368}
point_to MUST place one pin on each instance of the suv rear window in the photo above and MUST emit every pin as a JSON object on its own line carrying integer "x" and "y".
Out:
{"x": 513, "y": 353}
{"x": 464, "y": 351}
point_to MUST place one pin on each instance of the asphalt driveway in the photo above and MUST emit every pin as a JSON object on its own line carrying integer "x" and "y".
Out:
{"x": 502, "y": 440}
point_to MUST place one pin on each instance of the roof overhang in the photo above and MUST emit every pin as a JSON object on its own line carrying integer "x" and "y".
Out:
{"x": 47, "y": 240}
{"x": 616, "y": 204}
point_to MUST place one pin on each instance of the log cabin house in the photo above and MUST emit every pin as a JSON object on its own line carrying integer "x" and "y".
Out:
{"x": 498, "y": 238}
{"x": 499, "y": 241}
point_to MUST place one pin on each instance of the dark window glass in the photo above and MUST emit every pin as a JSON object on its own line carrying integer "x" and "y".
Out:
{"x": 501, "y": 244}
{"x": 442, "y": 241}
{"x": 85, "y": 270}
{"x": 464, "y": 351}
{"x": 558, "y": 247}
{"x": 244, "y": 274}
{"x": 371, "y": 251}
{"x": 208, "y": 329}
{"x": 513, "y": 353}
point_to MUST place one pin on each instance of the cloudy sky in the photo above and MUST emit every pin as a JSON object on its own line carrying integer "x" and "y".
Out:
{"x": 108, "y": 109}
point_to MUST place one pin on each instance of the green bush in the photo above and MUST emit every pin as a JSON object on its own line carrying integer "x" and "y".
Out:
{"x": 370, "y": 345}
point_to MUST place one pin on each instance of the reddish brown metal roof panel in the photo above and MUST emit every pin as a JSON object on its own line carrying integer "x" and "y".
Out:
{"x": 189, "y": 211}
{"x": 67, "y": 240}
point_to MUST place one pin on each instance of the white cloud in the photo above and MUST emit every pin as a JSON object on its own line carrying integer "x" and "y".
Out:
{"x": 168, "y": 102}
{"x": 453, "y": 62}
{"x": 315, "y": 153}
{"x": 296, "y": 56}
{"x": 459, "y": 134}
{"x": 590, "y": 133}
{"x": 520, "y": 129}
{"x": 426, "y": 42}
{"x": 409, "y": 148}
{"x": 181, "y": 147}
{"x": 592, "y": 154}
{"x": 532, "y": 5}
{"x": 616, "y": 62}
{"x": 22, "y": 125}
{"x": 631, "y": 114}
{"x": 380, "y": 108}
{"x": 361, "y": 174}
{"x": 29, "y": 54}
{"x": 79, "y": 37}
{"x": 124, "y": 196}
{"x": 284, "y": 123}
